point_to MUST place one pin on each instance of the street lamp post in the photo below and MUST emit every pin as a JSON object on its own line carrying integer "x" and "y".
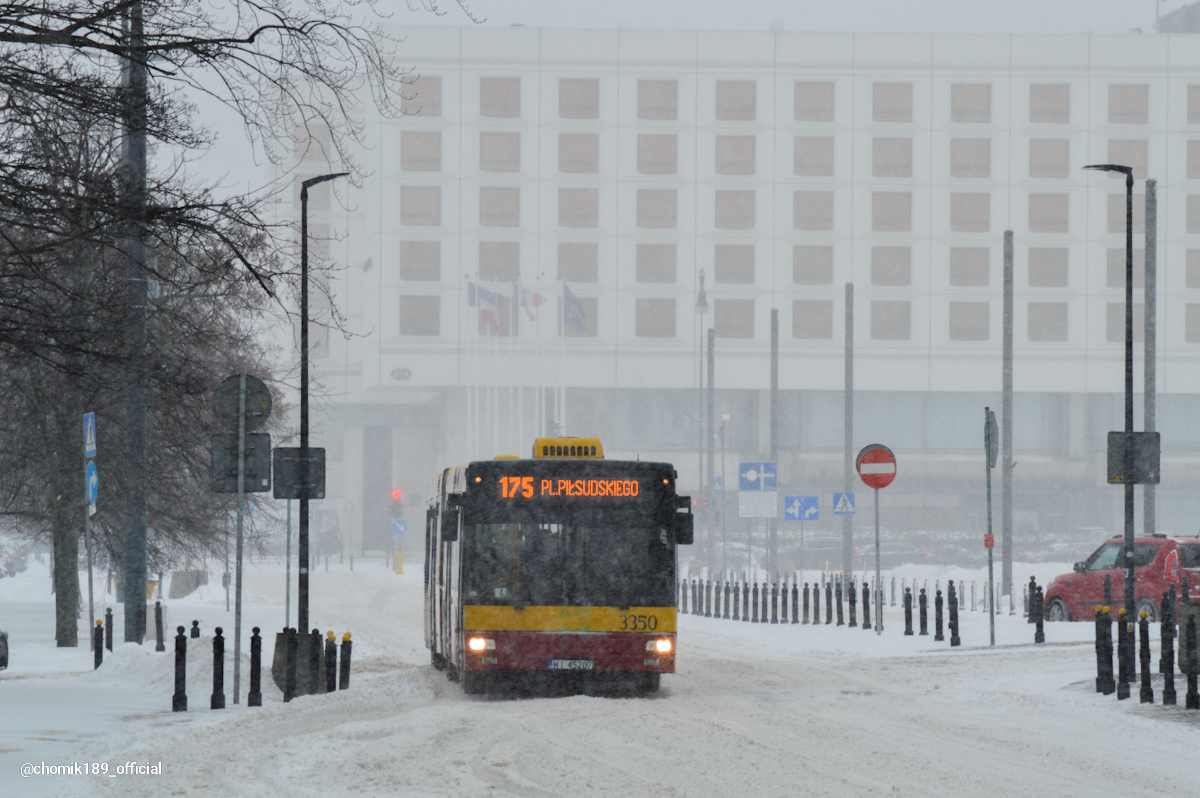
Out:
{"x": 1128, "y": 453}
{"x": 302, "y": 544}
{"x": 701, "y": 308}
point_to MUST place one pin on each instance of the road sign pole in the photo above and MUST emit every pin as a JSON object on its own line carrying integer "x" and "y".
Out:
{"x": 878, "y": 579}
{"x": 802, "y": 549}
{"x": 287, "y": 574}
{"x": 87, "y": 542}
{"x": 989, "y": 459}
{"x": 241, "y": 486}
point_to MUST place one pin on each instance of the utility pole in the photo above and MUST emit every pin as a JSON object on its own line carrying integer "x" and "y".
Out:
{"x": 773, "y": 525}
{"x": 848, "y": 432}
{"x": 1149, "y": 520}
{"x": 1006, "y": 423}
{"x": 708, "y": 482}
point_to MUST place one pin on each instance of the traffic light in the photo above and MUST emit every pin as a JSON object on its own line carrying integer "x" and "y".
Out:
{"x": 396, "y": 511}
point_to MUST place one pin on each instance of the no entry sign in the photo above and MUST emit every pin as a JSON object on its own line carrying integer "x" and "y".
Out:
{"x": 876, "y": 465}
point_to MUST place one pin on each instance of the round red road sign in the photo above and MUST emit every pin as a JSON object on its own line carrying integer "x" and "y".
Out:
{"x": 876, "y": 465}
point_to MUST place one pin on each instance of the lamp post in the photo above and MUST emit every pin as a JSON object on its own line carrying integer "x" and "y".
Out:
{"x": 1128, "y": 464}
{"x": 302, "y": 542}
{"x": 701, "y": 308}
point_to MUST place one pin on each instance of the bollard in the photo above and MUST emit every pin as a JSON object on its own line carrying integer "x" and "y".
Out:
{"x": 893, "y": 602}
{"x": 766, "y": 603}
{"x": 754, "y": 598}
{"x": 694, "y": 592}
{"x": 1099, "y": 649}
{"x": 706, "y": 587}
{"x": 937, "y": 616}
{"x": 974, "y": 606}
{"x": 726, "y": 616}
{"x": 158, "y": 627}
{"x": 344, "y": 671}
{"x": 775, "y": 600}
{"x": 98, "y": 643}
{"x": 745, "y": 598}
{"x": 314, "y": 662}
{"x": 737, "y": 594}
{"x": 853, "y": 597}
{"x": 805, "y": 603}
{"x": 1192, "y": 701}
{"x": 108, "y": 628}
{"x": 1123, "y": 675}
{"x": 218, "y": 693}
{"x": 289, "y": 675}
{"x": 908, "y": 630}
{"x": 254, "y": 698}
{"x": 796, "y": 600}
{"x": 1147, "y": 692}
{"x": 962, "y": 594}
{"x": 828, "y": 601}
{"x": 680, "y": 603}
{"x": 953, "y": 598}
{"x": 1110, "y": 682}
{"x": 195, "y": 629}
{"x": 179, "y": 700}
{"x": 1030, "y": 599}
{"x": 837, "y": 593}
{"x": 866, "y": 601}
{"x": 1167, "y": 662}
{"x": 1039, "y": 631}
{"x": 1165, "y": 626}
{"x": 923, "y": 601}
{"x": 330, "y": 662}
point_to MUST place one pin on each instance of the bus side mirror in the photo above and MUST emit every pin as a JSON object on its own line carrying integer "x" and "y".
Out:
{"x": 684, "y": 530}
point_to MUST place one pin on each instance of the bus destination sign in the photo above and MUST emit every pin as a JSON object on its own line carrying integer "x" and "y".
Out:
{"x": 531, "y": 487}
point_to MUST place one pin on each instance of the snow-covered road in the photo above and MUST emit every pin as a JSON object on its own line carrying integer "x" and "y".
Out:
{"x": 754, "y": 708}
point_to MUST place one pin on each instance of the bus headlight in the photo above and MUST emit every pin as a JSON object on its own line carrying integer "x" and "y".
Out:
{"x": 481, "y": 644}
{"x": 662, "y": 645}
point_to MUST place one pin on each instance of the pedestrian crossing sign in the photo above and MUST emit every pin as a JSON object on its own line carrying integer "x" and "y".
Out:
{"x": 843, "y": 504}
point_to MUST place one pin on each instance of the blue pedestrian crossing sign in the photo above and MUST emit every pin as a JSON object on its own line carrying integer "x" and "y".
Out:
{"x": 89, "y": 434}
{"x": 718, "y": 484}
{"x": 802, "y": 508}
{"x": 843, "y": 504}
{"x": 92, "y": 486}
{"x": 399, "y": 526}
{"x": 758, "y": 476}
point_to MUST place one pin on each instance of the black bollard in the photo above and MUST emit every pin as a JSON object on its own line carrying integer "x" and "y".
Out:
{"x": 330, "y": 662}
{"x": 254, "y": 699}
{"x": 1167, "y": 662}
{"x": 344, "y": 671}
{"x": 707, "y": 588}
{"x": 108, "y": 628}
{"x": 853, "y": 598}
{"x": 805, "y": 603}
{"x": 158, "y": 627}
{"x": 837, "y": 594}
{"x": 290, "y": 663}
{"x": 1031, "y": 601}
{"x": 179, "y": 700}
{"x": 796, "y": 602}
{"x": 829, "y": 602}
{"x": 866, "y": 601}
{"x": 1123, "y": 669}
{"x": 218, "y": 693}
{"x": 1192, "y": 701}
{"x": 924, "y": 608}
{"x": 1039, "y": 631}
{"x": 680, "y": 605}
{"x": 1110, "y": 682}
{"x": 314, "y": 662}
{"x": 908, "y": 630}
{"x": 1165, "y": 623}
{"x": 98, "y": 643}
{"x": 754, "y": 599}
{"x": 746, "y": 601}
{"x": 737, "y": 594}
{"x": 1101, "y": 684}
{"x": 1147, "y": 692}
{"x": 937, "y": 616}
{"x": 765, "y": 603}
{"x": 726, "y": 615}
{"x": 695, "y": 592}
{"x": 775, "y": 601}
{"x": 195, "y": 629}
{"x": 953, "y": 596}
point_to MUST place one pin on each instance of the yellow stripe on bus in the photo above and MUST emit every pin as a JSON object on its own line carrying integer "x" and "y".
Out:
{"x": 568, "y": 619}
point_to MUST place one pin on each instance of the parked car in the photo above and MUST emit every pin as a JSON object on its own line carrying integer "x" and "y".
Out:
{"x": 1159, "y": 563}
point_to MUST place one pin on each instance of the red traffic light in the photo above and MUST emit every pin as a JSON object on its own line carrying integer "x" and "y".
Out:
{"x": 397, "y": 494}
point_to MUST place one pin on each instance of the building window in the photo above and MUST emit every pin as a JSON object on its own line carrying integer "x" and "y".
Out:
{"x": 1193, "y": 105}
{"x": 1192, "y": 268}
{"x": 578, "y": 261}
{"x": 891, "y": 158}
{"x": 968, "y": 321}
{"x": 658, "y": 99}
{"x": 1048, "y": 157}
{"x": 891, "y": 266}
{"x": 655, "y": 263}
{"x": 891, "y": 211}
{"x": 812, "y": 210}
{"x": 656, "y": 208}
{"x": 812, "y": 319}
{"x": 1193, "y": 159}
{"x": 1191, "y": 323}
{"x": 1116, "y": 267}
{"x": 500, "y": 152}
{"x": 420, "y": 151}
{"x": 735, "y": 155}
{"x": 578, "y": 207}
{"x": 500, "y": 207}
{"x": 734, "y": 210}
{"x": 1193, "y": 214}
{"x": 500, "y": 97}
{"x": 1129, "y": 152}
{"x": 814, "y": 102}
{"x": 1047, "y": 321}
{"x": 970, "y": 213}
{"x": 971, "y": 102}
{"x": 970, "y": 157}
{"x": 655, "y": 318}
{"x": 585, "y": 326}
{"x": 733, "y": 318}
{"x": 1048, "y": 213}
{"x": 1048, "y": 267}
{"x": 1116, "y": 213}
{"x": 813, "y": 156}
{"x": 579, "y": 98}
{"x": 579, "y": 153}
{"x": 812, "y": 265}
{"x": 656, "y": 154}
{"x": 1050, "y": 102}
{"x": 736, "y": 100}
{"x": 891, "y": 320}
{"x": 500, "y": 261}
{"x": 1116, "y": 322}
{"x": 969, "y": 266}
{"x": 313, "y": 143}
{"x": 892, "y": 102}
{"x": 1128, "y": 105}
{"x": 421, "y": 206}
{"x": 734, "y": 264}
{"x": 422, "y": 97}
{"x": 420, "y": 315}
{"x": 421, "y": 260}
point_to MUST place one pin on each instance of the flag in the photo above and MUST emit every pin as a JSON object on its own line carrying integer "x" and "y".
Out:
{"x": 572, "y": 312}
{"x": 488, "y": 303}
{"x": 527, "y": 299}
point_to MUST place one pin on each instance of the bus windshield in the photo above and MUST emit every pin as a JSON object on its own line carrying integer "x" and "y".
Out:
{"x": 566, "y": 564}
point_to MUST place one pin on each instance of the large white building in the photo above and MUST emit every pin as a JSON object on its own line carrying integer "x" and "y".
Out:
{"x": 780, "y": 166}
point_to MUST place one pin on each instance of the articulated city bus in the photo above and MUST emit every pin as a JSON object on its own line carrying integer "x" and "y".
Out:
{"x": 559, "y": 567}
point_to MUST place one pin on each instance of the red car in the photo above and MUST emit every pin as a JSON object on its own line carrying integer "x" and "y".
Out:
{"x": 1159, "y": 563}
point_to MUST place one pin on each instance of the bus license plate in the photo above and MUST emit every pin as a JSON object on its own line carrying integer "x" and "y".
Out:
{"x": 570, "y": 664}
